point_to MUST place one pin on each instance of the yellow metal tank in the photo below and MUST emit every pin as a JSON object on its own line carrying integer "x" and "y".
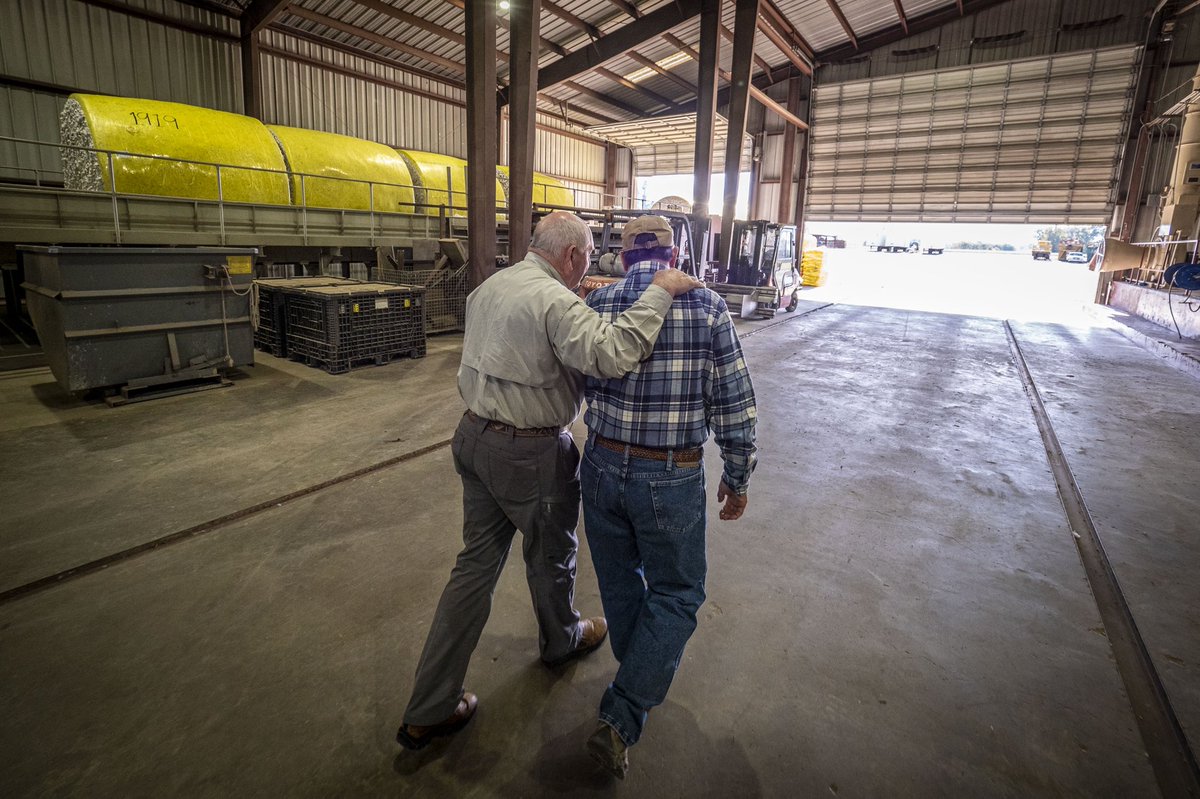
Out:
{"x": 547, "y": 190}
{"x": 441, "y": 180}
{"x": 135, "y": 129}
{"x": 344, "y": 172}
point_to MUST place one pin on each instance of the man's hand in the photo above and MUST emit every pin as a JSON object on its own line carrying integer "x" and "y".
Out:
{"x": 734, "y": 505}
{"x": 675, "y": 281}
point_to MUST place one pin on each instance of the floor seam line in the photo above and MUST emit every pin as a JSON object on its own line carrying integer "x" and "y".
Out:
{"x": 99, "y": 564}
{"x": 1166, "y": 744}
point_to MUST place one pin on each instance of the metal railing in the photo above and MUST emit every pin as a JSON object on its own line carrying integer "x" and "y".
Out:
{"x": 420, "y": 207}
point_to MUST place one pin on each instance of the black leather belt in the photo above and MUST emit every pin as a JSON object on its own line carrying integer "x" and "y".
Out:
{"x": 501, "y": 427}
{"x": 653, "y": 453}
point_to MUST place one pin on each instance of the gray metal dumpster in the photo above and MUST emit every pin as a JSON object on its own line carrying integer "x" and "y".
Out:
{"x": 140, "y": 316}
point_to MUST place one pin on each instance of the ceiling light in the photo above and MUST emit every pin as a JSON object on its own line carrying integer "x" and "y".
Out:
{"x": 504, "y": 5}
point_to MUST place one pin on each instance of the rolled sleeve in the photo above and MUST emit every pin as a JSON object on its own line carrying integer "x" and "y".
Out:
{"x": 584, "y": 341}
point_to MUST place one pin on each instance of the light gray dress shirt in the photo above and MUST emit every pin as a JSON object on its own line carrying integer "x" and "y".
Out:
{"x": 530, "y": 341}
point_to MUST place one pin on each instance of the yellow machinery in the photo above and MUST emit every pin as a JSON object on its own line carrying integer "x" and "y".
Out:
{"x": 1069, "y": 245}
{"x": 1041, "y": 251}
{"x": 173, "y": 150}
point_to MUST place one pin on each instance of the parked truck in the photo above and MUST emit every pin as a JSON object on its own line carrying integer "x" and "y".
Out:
{"x": 892, "y": 244}
{"x": 1041, "y": 251}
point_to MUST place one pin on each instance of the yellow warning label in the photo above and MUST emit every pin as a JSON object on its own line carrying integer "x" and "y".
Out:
{"x": 407, "y": 303}
{"x": 355, "y": 307}
{"x": 240, "y": 264}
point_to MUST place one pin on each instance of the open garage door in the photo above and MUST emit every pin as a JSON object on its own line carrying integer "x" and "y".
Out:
{"x": 1035, "y": 141}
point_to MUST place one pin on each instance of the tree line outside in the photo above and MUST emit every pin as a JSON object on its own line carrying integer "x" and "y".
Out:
{"x": 1090, "y": 235}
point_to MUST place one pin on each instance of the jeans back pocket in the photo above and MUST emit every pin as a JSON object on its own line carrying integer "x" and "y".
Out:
{"x": 678, "y": 501}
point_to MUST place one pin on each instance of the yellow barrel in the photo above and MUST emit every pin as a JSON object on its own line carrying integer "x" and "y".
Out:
{"x": 136, "y": 128}
{"x": 441, "y": 180}
{"x": 547, "y": 190}
{"x": 344, "y": 172}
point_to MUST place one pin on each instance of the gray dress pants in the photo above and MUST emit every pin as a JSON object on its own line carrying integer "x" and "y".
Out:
{"x": 510, "y": 482}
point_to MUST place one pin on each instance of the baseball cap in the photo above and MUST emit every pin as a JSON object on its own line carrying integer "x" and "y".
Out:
{"x": 634, "y": 234}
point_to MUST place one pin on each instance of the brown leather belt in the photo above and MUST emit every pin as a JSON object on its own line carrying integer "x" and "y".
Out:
{"x": 501, "y": 427}
{"x": 680, "y": 455}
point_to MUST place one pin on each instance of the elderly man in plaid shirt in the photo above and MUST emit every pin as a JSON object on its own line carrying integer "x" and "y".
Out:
{"x": 643, "y": 483}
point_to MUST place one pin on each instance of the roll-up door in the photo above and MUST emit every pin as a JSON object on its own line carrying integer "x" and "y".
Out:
{"x": 1035, "y": 141}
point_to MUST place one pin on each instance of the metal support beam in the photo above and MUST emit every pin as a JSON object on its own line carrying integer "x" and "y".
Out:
{"x": 610, "y": 176}
{"x": 251, "y": 70}
{"x": 771, "y": 11}
{"x": 524, "y": 25}
{"x": 628, "y": 108}
{"x": 787, "y": 182}
{"x": 916, "y": 25}
{"x": 375, "y": 38}
{"x": 621, "y": 80}
{"x": 706, "y": 111}
{"x": 619, "y": 41}
{"x": 666, "y": 73}
{"x": 837, "y": 12}
{"x": 758, "y": 60}
{"x": 164, "y": 19}
{"x": 806, "y": 86}
{"x": 744, "y": 28}
{"x": 482, "y": 139}
{"x": 903, "y": 18}
{"x": 572, "y": 20}
{"x": 259, "y": 14}
{"x": 784, "y": 46}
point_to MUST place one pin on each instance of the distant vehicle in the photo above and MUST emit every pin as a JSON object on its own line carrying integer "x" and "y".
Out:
{"x": 894, "y": 245}
{"x": 1041, "y": 251}
{"x": 1068, "y": 246}
{"x": 933, "y": 249}
{"x": 1077, "y": 257}
{"x": 832, "y": 242}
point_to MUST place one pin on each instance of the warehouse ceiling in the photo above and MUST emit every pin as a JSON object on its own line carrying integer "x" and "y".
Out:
{"x": 658, "y": 77}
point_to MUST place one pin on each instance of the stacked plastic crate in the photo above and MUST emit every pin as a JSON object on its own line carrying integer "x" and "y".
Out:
{"x": 270, "y": 331}
{"x": 339, "y": 327}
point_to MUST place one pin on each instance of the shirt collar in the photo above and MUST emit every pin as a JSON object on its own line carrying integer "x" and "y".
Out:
{"x": 545, "y": 266}
{"x": 643, "y": 272}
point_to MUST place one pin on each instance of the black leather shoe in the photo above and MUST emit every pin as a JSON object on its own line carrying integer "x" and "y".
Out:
{"x": 414, "y": 736}
{"x": 594, "y": 631}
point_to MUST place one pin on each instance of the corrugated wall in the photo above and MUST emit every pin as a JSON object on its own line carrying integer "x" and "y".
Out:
{"x": 70, "y": 45}
{"x": 1013, "y": 30}
{"x": 374, "y": 106}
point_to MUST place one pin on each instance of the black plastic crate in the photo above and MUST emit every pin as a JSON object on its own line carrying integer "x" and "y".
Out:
{"x": 341, "y": 327}
{"x": 270, "y": 334}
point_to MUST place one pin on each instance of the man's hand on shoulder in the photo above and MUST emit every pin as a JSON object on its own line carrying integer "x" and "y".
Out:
{"x": 675, "y": 281}
{"x": 735, "y": 505}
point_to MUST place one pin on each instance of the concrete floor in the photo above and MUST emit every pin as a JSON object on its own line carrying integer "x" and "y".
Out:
{"x": 902, "y": 612}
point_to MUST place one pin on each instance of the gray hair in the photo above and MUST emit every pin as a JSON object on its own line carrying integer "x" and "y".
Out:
{"x": 559, "y": 230}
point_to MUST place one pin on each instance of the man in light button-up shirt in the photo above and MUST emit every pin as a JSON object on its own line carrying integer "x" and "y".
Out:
{"x": 530, "y": 342}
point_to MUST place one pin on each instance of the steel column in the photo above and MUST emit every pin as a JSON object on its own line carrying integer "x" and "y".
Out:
{"x": 524, "y": 20}
{"x": 610, "y": 176}
{"x": 251, "y": 69}
{"x": 786, "y": 172}
{"x": 482, "y": 139}
{"x": 706, "y": 111}
{"x": 806, "y": 88}
{"x": 744, "y": 28}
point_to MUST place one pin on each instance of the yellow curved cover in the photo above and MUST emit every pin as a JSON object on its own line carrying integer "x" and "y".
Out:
{"x": 547, "y": 190}
{"x": 189, "y": 133}
{"x": 438, "y": 188}
{"x": 357, "y": 162}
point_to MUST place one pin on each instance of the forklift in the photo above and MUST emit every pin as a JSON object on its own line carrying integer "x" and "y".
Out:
{"x": 763, "y": 274}
{"x": 606, "y": 266}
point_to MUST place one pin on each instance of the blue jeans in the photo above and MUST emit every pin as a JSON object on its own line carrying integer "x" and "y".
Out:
{"x": 644, "y": 521}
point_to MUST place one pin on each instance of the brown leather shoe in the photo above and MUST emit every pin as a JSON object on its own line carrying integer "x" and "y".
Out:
{"x": 414, "y": 736}
{"x": 592, "y": 633}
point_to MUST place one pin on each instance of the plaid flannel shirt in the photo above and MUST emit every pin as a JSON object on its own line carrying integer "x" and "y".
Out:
{"x": 694, "y": 380}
